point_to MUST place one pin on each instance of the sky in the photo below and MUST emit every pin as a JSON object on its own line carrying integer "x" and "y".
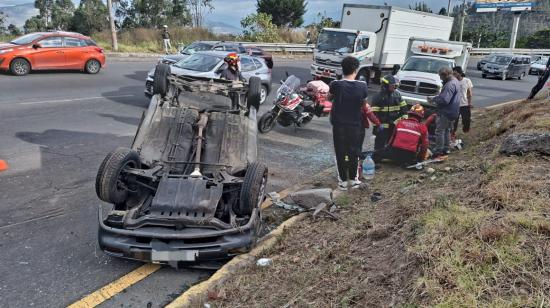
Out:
{"x": 232, "y": 11}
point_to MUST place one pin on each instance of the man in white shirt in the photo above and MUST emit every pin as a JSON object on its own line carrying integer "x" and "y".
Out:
{"x": 465, "y": 99}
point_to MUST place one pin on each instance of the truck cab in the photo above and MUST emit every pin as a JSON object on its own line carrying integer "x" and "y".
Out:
{"x": 333, "y": 45}
{"x": 419, "y": 76}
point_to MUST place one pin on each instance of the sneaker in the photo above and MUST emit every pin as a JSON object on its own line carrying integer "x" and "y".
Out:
{"x": 343, "y": 186}
{"x": 355, "y": 184}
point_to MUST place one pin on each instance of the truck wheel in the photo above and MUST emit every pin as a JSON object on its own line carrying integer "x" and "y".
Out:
{"x": 266, "y": 122}
{"x": 483, "y": 76}
{"x": 253, "y": 190}
{"x": 364, "y": 75}
{"x": 254, "y": 96}
{"x": 160, "y": 82}
{"x": 110, "y": 180}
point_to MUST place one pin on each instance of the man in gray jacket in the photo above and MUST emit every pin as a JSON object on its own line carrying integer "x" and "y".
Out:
{"x": 448, "y": 109}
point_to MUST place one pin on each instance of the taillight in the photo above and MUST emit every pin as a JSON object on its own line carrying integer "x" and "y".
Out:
{"x": 100, "y": 50}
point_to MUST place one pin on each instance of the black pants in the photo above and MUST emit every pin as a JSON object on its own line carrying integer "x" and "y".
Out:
{"x": 381, "y": 141}
{"x": 400, "y": 157}
{"x": 466, "y": 115}
{"x": 348, "y": 141}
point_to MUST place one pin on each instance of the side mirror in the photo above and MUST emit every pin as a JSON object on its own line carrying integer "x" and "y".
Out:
{"x": 395, "y": 69}
{"x": 221, "y": 68}
{"x": 36, "y": 45}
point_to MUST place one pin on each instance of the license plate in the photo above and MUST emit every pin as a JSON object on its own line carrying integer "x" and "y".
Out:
{"x": 326, "y": 74}
{"x": 176, "y": 255}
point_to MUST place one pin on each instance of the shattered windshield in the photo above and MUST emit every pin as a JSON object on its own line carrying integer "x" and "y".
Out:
{"x": 335, "y": 41}
{"x": 426, "y": 65}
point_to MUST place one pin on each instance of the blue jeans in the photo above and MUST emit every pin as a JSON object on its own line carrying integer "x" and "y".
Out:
{"x": 442, "y": 133}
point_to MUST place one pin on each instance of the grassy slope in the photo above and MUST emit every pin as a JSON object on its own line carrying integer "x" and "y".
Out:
{"x": 476, "y": 235}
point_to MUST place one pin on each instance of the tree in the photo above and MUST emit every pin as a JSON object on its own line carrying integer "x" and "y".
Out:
{"x": 2, "y": 22}
{"x": 198, "y": 8}
{"x": 34, "y": 24}
{"x": 90, "y": 17}
{"x": 13, "y": 30}
{"x": 442, "y": 11}
{"x": 421, "y": 6}
{"x": 539, "y": 40}
{"x": 62, "y": 14}
{"x": 284, "y": 13}
{"x": 259, "y": 28}
{"x": 45, "y": 9}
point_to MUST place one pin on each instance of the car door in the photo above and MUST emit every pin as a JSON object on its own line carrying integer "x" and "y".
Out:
{"x": 76, "y": 52}
{"x": 262, "y": 70}
{"x": 248, "y": 68}
{"x": 50, "y": 54}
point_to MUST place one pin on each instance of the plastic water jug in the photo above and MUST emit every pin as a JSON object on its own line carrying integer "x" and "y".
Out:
{"x": 368, "y": 168}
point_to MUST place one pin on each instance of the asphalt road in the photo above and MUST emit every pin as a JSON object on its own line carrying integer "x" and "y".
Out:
{"x": 56, "y": 128}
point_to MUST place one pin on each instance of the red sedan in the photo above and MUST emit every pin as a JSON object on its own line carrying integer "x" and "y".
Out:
{"x": 51, "y": 51}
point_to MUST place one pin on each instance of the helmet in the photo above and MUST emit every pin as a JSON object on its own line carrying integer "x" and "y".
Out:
{"x": 232, "y": 59}
{"x": 417, "y": 111}
{"x": 389, "y": 80}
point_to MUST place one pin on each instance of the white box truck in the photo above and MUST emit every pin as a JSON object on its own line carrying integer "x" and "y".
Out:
{"x": 377, "y": 35}
{"x": 419, "y": 78}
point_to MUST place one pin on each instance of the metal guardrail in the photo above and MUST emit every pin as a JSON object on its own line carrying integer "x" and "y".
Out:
{"x": 303, "y": 48}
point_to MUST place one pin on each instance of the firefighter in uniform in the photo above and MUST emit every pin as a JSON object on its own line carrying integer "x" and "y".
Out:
{"x": 409, "y": 143}
{"x": 389, "y": 107}
{"x": 233, "y": 73}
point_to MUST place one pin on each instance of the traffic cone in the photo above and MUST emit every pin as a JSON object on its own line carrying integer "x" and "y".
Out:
{"x": 3, "y": 165}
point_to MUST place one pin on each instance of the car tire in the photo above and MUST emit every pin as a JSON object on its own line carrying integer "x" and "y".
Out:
{"x": 266, "y": 123}
{"x": 483, "y": 76}
{"x": 263, "y": 94}
{"x": 92, "y": 66}
{"x": 253, "y": 191}
{"x": 254, "y": 95}
{"x": 521, "y": 76}
{"x": 160, "y": 82}
{"x": 110, "y": 175}
{"x": 20, "y": 67}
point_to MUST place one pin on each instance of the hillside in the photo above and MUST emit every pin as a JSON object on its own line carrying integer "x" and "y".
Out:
{"x": 18, "y": 14}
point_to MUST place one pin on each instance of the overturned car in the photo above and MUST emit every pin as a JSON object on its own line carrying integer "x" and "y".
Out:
{"x": 190, "y": 188}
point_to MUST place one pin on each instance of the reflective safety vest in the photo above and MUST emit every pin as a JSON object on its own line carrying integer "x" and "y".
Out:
{"x": 389, "y": 108}
{"x": 411, "y": 135}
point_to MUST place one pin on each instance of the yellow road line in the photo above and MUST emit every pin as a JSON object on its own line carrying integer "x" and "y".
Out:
{"x": 96, "y": 298}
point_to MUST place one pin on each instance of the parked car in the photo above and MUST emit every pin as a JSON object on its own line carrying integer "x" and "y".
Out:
{"x": 203, "y": 46}
{"x": 50, "y": 51}
{"x": 539, "y": 66}
{"x": 506, "y": 66}
{"x": 209, "y": 64}
{"x": 483, "y": 61}
{"x": 258, "y": 52}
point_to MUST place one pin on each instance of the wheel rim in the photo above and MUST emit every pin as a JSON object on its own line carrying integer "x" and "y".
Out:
{"x": 20, "y": 67}
{"x": 263, "y": 95}
{"x": 93, "y": 66}
{"x": 261, "y": 194}
{"x": 268, "y": 123}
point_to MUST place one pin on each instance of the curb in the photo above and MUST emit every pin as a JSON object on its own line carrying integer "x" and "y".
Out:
{"x": 504, "y": 104}
{"x": 200, "y": 291}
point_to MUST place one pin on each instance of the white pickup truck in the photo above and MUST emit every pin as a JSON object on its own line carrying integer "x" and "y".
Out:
{"x": 419, "y": 76}
{"x": 377, "y": 35}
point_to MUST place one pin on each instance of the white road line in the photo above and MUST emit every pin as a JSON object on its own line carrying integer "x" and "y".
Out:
{"x": 75, "y": 99}
{"x": 290, "y": 139}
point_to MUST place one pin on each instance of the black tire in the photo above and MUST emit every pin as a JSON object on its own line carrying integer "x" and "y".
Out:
{"x": 253, "y": 191}
{"x": 264, "y": 92}
{"x": 20, "y": 67}
{"x": 160, "y": 82}
{"x": 364, "y": 75}
{"x": 483, "y": 76}
{"x": 267, "y": 122}
{"x": 521, "y": 76}
{"x": 92, "y": 66}
{"x": 254, "y": 95}
{"x": 110, "y": 174}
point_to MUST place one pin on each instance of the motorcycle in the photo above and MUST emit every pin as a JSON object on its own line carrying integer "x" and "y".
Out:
{"x": 296, "y": 105}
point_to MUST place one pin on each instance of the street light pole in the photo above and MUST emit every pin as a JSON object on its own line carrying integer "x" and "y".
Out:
{"x": 112, "y": 24}
{"x": 462, "y": 17}
{"x": 449, "y": 8}
{"x": 515, "y": 27}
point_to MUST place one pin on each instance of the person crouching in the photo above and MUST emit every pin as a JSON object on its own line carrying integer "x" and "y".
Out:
{"x": 409, "y": 142}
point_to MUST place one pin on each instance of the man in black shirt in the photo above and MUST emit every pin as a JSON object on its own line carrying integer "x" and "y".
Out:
{"x": 349, "y": 97}
{"x": 166, "y": 40}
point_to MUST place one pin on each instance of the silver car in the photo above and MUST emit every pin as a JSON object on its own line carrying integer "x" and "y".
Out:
{"x": 209, "y": 64}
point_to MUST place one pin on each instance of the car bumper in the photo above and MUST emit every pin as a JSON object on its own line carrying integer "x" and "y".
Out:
{"x": 175, "y": 248}
{"x": 413, "y": 99}
{"x": 493, "y": 73}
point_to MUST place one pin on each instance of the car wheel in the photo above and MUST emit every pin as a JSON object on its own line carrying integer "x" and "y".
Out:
{"x": 160, "y": 82}
{"x": 521, "y": 76}
{"x": 20, "y": 67}
{"x": 266, "y": 122}
{"x": 110, "y": 179}
{"x": 92, "y": 66}
{"x": 263, "y": 94}
{"x": 483, "y": 76}
{"x": 254, "y": 95}
{"x": 253, "y": 191}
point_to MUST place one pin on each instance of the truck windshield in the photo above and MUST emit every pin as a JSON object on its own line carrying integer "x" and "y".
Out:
{"x": 335, "y": 41}
{"x": 425, "y": 65}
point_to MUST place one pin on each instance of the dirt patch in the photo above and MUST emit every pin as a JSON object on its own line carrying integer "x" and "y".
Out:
{"x": 474, "y": 233}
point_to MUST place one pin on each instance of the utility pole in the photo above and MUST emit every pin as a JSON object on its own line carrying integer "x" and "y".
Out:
{"x": 515, "y": 27}
{"x": 112, "y": 23}
{"x": 462, "y": 17}
{"x": 449, "y": 8}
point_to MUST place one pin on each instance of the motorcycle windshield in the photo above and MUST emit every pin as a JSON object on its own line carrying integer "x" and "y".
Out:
{"x": 289, "y": 86}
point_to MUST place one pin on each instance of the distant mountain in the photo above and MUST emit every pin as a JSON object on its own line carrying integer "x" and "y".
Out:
{"x": 222, "y": 28}
{"x": 18, "y": 14}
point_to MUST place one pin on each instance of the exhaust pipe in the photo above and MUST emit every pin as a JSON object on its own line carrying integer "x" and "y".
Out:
{"x": 202, "y": 124}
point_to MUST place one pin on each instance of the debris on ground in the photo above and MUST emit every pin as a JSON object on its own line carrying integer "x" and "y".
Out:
{"x": 520, "y": 144}
{"x": 430, "y": 170}
{"x": 311, "y": 198}
{"x": 264, "y": 262}
{"x": 375, "y": 197}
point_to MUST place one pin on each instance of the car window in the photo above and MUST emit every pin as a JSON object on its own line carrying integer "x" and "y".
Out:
{"x": 258, "y": 63}
{"x": 74, "y": 42}
{"x": 219, "y": 48}
{"x": 54, "y": 41}
{"x": 362, "y": 44}
{"x": 26, "y": 39}
{"x": 199, "y": 62}
{"x": 242, "y": 49}
{"x": 247, "y": 65}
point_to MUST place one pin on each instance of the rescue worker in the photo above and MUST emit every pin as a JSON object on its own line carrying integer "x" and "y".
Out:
{"x": 233, "y": 73}
{"x": 409, "y": 143}
{"x": 389, "y": 107}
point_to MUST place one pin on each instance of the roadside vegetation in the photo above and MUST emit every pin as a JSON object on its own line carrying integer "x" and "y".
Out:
{"x": 475, "y": 233}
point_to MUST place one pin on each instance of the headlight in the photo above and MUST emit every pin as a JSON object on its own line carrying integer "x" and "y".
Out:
{"x": 5, "y": 51}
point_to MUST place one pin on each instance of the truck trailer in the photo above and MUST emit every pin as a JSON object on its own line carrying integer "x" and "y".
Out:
{"x": 377, "y": 35}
